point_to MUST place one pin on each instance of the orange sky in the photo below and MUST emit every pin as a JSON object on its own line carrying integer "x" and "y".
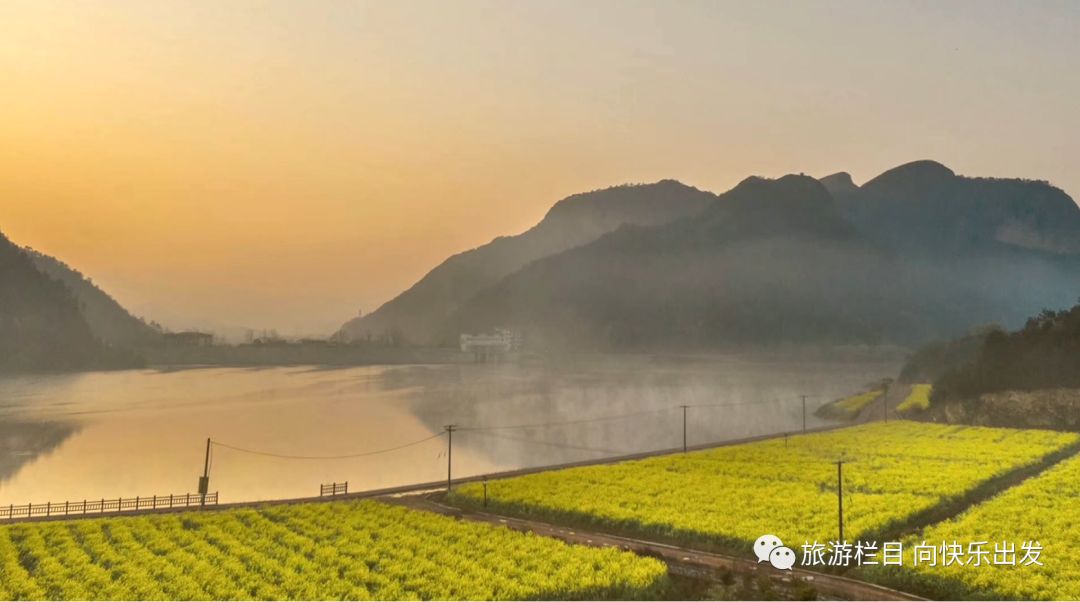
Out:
{"x": 264, "y": 164}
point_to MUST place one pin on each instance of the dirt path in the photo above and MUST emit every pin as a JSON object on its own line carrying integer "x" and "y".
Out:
{"x": 681, "y": 561}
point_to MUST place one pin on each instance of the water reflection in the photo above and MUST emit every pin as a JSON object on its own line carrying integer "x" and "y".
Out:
{"x": 143, "y": 432}
{"x": 22, "y": 442}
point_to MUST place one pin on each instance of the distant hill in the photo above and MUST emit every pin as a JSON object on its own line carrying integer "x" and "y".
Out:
{"x": 999, "y": 249}
{"x": 770, "y": 261}
{"x": 1029, "y": 378}
{"x": 418, "y": 314}
{"x": 924, "y": 206}
{"x": 41, "y": 327}
{"x": 107, "y": 319}
{"x": 928, "y": 363}
{"x": 1044, "y": 354}
{"x": 917, "y": 253}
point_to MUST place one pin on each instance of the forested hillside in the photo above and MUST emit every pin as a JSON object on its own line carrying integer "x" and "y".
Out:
{"x": 418, "y": 315}
{"x": 108, "y": 320}
{"x": 1044, "y": 354}
{"x": 916, "y": 254}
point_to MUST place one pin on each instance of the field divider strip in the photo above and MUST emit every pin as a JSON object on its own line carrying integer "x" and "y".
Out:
{"x": 950, "y": 508}
{"x": 681, "y": 561}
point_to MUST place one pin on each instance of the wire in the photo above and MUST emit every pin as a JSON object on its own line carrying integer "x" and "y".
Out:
{"x": 569, "y": 422}
{"x": 618, "y": 416}
{"x": 498, "y": 428}
{"x": 742, "y": 403}
{"x": 558, "y": 445}
{"x": 341, "y": 457}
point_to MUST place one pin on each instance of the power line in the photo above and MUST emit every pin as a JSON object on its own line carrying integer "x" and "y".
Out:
{"x": 597, "y": 450}
{"x": 581, "y": 422}
{"x": 741, "y": 403}
{"x": 341, "y": 457}
{"x": 501, "y": 427}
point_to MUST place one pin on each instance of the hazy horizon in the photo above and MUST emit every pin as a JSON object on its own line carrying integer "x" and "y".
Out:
{"x": 280, "y": 165}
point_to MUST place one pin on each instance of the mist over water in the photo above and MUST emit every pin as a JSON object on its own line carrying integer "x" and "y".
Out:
{"x": 112, "y": 434}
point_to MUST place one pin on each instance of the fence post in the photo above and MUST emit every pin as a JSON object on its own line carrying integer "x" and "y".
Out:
{"x": 84, "y": 506}
{"x": 346, "y": 487}
{"x": 48, "y": 508}
{"x": 170, "y": 500}
{"x": 136, "y": 502}
{"x": 65, "y": 508}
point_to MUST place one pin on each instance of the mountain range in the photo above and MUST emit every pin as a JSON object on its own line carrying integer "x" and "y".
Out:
{"x": 914, "y": 254}
{"x": 418, "y": 313}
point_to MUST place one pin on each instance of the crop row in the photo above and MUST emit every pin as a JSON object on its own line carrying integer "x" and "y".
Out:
{"x": 343, "y": 550}
{"x": 917, "y": 401}
{"x": 849, "y": 408}
{"x": 1042, "y": 510}
{"x": 729, "y": 496}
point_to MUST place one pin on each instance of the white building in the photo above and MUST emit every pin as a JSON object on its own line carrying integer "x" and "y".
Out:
{"x": 489, "y": 346}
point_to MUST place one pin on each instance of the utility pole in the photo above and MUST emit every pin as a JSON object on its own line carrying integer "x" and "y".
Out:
{"x": 803, "y": 413}
{"x": 840, "y": 495}
{"x": 684, "y": 428}
{"x": 885, "y": 398}
{"x": 450, "y": 428}
{"x": 204, "y": 481}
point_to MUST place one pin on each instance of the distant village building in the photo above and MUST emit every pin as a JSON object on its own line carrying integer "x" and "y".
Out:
{"x": 490, "y": 347}
{"x": 190, "y": 338}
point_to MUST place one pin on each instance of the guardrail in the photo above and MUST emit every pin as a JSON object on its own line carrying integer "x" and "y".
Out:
{"x": 102, "y": 506}
{"x": 334, "y": 489}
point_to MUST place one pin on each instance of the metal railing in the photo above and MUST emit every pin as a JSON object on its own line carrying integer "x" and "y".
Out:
{"x": 102, "y": 506}
{"x": 334, "y": 489}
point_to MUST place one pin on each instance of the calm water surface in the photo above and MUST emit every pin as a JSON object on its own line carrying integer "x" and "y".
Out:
{"x": 112, "y": 434}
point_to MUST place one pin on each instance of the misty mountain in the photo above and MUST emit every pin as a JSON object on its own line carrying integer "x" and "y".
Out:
{"x": 916, "y": 254}
{"x": 107, "y": 319}
{"x": 770, "y": 261}
{"x": 419, "y": 313}
{"x": 925, "y": 207}
{"x": 1000, "y": 249}
{"x": 41, "y": 327}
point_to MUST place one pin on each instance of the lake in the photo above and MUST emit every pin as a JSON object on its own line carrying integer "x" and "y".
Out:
{"x": 143, "y": 432}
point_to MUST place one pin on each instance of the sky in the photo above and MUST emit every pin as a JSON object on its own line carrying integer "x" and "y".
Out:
{"x": 287, "y": 164}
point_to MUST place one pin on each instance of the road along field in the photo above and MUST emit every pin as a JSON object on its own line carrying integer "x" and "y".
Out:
{"x": 894, "y": 473}
{"x": 1044, "y": 509}
{"x": 357, "y": 550}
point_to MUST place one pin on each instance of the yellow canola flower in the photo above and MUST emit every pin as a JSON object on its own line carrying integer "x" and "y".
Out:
{"x": 917, "y": 400}
{"x": 343, "y": 550}
{"x": 729, "y": 496}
